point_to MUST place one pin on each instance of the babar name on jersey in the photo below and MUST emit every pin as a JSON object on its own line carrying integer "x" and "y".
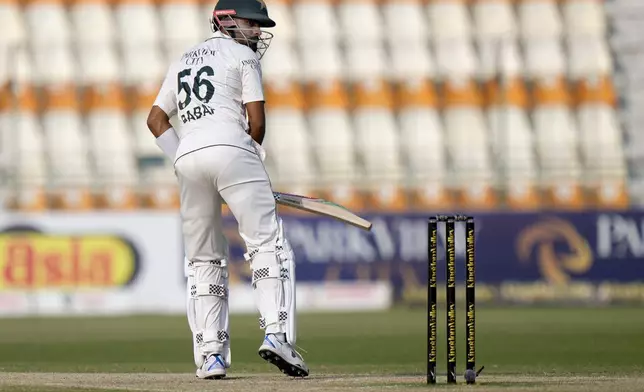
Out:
{"x": 196, "y": 113}
{"x": 196, "y": 57}
{"x": 194, "y": 93}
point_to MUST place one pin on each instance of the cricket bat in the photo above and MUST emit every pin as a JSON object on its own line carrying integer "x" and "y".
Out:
{"x": 321, "y": 207}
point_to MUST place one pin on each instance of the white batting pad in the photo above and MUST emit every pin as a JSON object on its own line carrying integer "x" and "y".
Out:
{"x": 208, "y": 309}
{"x": 274, "y": 286}
{"x": 192, "y": 316}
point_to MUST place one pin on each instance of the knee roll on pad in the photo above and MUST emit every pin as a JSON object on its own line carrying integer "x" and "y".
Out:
{"x": 208, "y": 309}
{"x": 273, "y": 282}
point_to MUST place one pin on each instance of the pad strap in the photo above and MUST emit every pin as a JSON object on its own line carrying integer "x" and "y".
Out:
{"x": 221, "y": 336}
{"x": 270, "y": 272}
{"x": 208, "y": 289}
{"x": 262, "y": 249}
{"x": 281, "y": 317}
{"x": 217, "y": 263}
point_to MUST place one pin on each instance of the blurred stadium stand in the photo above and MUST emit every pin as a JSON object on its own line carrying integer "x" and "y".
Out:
{"x": 388, "y": 104}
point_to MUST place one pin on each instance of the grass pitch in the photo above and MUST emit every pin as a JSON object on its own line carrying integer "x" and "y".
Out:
{"x": 531, "y": 349}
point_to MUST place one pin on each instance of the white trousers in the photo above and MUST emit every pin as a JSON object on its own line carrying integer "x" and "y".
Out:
{"x": 207, "y": 177}
{"x": 235, "y": 175}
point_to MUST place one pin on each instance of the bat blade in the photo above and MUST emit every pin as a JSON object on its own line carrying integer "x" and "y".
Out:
{"x": 322, "y": 207}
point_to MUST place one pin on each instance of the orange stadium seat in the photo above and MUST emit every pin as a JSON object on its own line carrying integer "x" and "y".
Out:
{"x": 111, "y": 145}
{"x": 95, "y": 35}
{"x": 500, "y": 58}
{"x": 449, "y": 19}
{"x": 51, "y": 42}
{"x": 322, "y": 63}
{"x": 29, "y": 152}
{"x": 407, "y": 39}
{"x": 405, "y": 23}
{"x": 378, "y": 143}
{"x": 452, "y": 38}
{"x": 584, "y": 18}
{"x": 541, "y": 31}
{"x": 93, "y": 22}
{"x": 287, "y": 140}
{"x": 281, "y": 63}
{"x": 184, "y": 13}
{"x": 360, "y": 22}
{"x": 67, "y": 150}
{"x": 456, "y": 59}
{"x": 512, "y": 142}
{"x": 494, "y": 20}
{"x": 55, "y": 66}
{"x": 411, "y": 61}
{"x": 596, "y": 89}
{"x": 496, "y": 34}
{"x": 50, "y": 31}
{"x": 138, "y": 22}
{"x": 144, "y": 66}
{"x": 334, "y": 142}
{"x": 99, "y": 64}
{"x": 544, "y": 58}
{"x": 139, "y": 37}
{"x": 467, "y": 144}
{"x": 315, "y": 23}
{"x": 423, "y": 145}
{"x": 367, "y": 62}
{"x": 14, "y": 33}
{"x": 17, "y": 69}
{"x": 539, "y": 19}
{"x": 588, "y": 57}
{"x": 556, "y": 141}
{"x": 601, "y": 142}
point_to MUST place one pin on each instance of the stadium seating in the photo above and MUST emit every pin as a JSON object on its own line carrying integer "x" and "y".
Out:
{"x": 193, "y": 25}
{"x": 30, "y": 153}
{"x": 423, "y": 144}
{"x": 333, "y": 141}
{"x": 512, "y": 140}
{"x": 381, "y": 104}
{"x": 68, "y": 151}
{"x": 290, "y": 158}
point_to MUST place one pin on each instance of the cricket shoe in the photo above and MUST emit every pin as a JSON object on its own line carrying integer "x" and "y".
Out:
{"x": 284, "y": 356}
{"x": 213, "y": 369}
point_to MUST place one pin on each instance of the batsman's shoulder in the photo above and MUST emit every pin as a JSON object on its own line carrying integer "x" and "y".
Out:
{"x": 245, "y": 54}
{"x": 193, "y": 51}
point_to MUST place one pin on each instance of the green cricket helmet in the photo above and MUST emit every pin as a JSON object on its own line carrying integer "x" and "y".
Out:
{"x": 243, "y": 20}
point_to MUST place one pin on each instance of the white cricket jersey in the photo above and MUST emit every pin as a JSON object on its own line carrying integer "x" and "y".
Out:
{"x": 208, "y": 89}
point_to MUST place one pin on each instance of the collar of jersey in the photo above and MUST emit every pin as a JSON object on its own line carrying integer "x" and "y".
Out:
{"x": 219, "y": 34}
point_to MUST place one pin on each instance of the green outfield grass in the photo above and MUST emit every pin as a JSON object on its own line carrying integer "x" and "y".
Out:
{"x": 512, "y": 343}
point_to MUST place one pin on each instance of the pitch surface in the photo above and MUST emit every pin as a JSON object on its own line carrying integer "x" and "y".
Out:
{"x": 531, "y": 349}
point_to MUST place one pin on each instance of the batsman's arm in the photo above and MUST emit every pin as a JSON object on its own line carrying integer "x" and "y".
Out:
{"x": 158, "y": 122}
{"x": 166, "y": 137}
{"x": 253, "y": 94}
{"x": 256, "y": 120}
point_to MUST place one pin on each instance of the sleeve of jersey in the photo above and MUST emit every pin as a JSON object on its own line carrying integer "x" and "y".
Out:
{"x": 251, "y": 75}
{"x": 167, "y": 98}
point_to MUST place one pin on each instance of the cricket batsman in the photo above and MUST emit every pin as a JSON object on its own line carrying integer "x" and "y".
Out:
{"x": 216, "y": 92}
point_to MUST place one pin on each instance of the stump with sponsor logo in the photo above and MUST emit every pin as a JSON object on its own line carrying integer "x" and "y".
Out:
{"x": 450, "y": 296}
